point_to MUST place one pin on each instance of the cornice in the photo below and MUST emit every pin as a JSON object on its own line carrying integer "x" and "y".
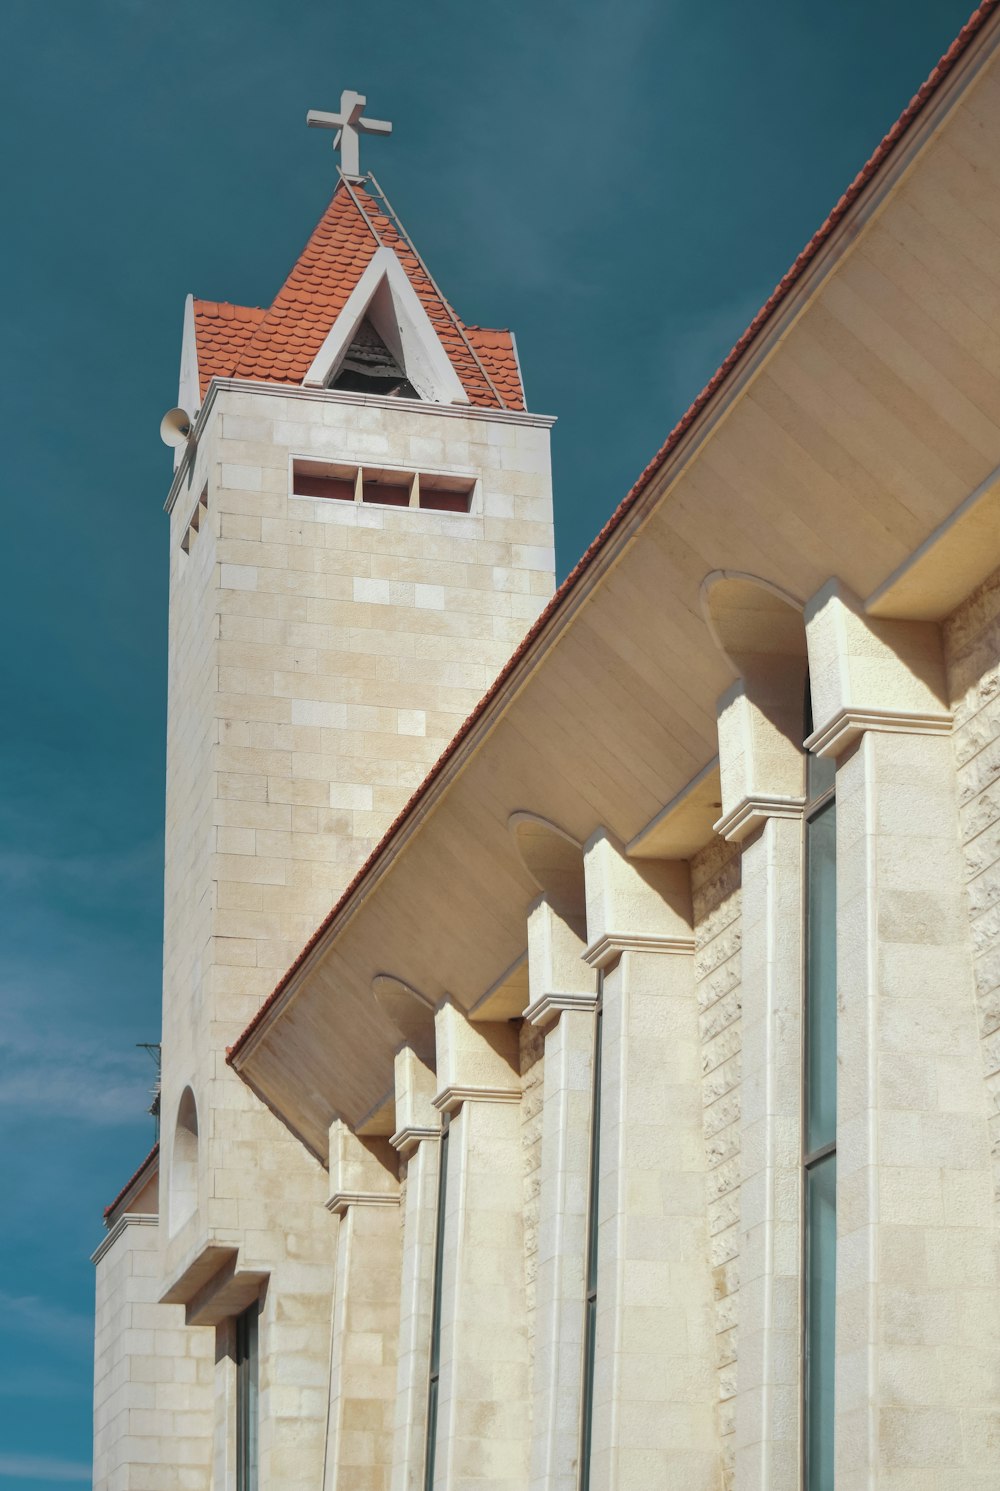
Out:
{"x": 406, "y": 1139}
{"x": 328, "y": 396}
{"x": 547, "y": 1008}
{"x": 130, "y": 1219}
{"x": 833, "y": 738}
{"x": 611, "y": 945}
{"x": 341, "y": 1200}
{"x": 454, "y": 1096}
{"x": 753, "y": 811}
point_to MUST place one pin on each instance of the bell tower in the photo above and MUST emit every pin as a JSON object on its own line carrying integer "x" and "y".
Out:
{"x": 360, "y": 534}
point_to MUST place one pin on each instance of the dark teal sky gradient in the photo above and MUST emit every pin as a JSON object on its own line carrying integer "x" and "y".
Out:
{"x": 621, "y": 183}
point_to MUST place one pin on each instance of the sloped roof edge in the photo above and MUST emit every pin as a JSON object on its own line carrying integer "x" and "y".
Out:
{"x": 143, "y": 1174}
{"x": 969, "y": 32}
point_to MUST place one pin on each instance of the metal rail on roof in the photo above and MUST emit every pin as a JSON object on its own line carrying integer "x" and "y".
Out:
{"x": 397, "y": 224}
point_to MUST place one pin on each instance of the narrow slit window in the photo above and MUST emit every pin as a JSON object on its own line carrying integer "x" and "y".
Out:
{"x": 819, "y": 1141}
{"x": 434, "y": 1379}
{"x": 246, "y": 1399}
{"x": 590, "y": 1318}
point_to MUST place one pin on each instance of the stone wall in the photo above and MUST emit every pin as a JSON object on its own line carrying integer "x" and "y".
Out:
{"x": 715, "y": 883}
{"x": 152, "y": 1374}
{"x": 532, "y": 1053}
{"x": 972, "y": 648}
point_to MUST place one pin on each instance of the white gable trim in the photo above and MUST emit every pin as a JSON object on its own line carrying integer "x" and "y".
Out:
{"x": 188, "y": 384}
{"x": 384, "y": 292}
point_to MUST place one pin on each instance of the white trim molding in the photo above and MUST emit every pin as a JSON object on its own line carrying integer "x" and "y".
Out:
{"x": 404, "y": 1141}
{"x": 456, "y": 1094}
{"x": 833, "y": 738}
{"x": 611, "y": 945}
{"x": 341, "y": 1200}
{"x": 752, "y": 812}
{"x": 547, "y": 1008}
{"x": 130, "y": 1219}
{"x": 385, "y": 294}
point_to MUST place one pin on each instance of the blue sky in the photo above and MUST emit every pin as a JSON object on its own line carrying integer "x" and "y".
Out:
{"x": 622, "y": 183}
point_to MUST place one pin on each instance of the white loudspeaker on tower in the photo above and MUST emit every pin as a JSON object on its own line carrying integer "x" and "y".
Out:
{"x": 176, "y": 427}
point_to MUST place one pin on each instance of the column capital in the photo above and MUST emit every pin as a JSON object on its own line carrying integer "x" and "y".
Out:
{"x": 546, "y": 1009}
{"x": 416, "y": 1119}
{"x": 753, "y": 811}
{"x": 362, "y": 1171}
{"x": 634, "y": 905}
{"x": 611, "y": 945}
{"x": 452, "y": 1097}
{"x": 833, "y": 738}
{"x": 405, "y": 1140}
{"x": 476, "y": 1062}
{"x": 871, "y": 673}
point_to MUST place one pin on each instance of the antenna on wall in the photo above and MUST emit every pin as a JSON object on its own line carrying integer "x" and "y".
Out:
{"x": 152, "y": 1048}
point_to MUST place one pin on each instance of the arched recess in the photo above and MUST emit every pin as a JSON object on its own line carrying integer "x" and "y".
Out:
{"x": 760, "y": 629}
{"x": 183, "y": 1198}
{"x": 409, "y": 1012}
{"x": 554, "y": 860}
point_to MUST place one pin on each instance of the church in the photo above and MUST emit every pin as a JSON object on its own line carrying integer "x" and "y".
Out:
{"x": 581, "y": 1005}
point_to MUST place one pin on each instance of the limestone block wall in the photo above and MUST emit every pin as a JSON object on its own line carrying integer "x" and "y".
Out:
{"x": 715, "y": 885}
{"x": 322, "y": 654}
{"x": 152, "y": 1375}
{"x": 972, "y": 651}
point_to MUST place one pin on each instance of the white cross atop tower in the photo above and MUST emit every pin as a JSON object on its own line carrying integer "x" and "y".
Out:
{"x": 350, "y": 126}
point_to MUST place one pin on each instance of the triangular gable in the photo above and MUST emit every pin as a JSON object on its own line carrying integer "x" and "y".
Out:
{"x": 385, "y": 295}
{"x": 281, "y": 344}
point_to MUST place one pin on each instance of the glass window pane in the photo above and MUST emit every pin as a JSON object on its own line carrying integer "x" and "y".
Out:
{"x": 589, "y": 1340}
{"x": 595, "y": 1158}
{"x": 821, "y": 1273}
{"x": 821, "y": 978}
{"x": 246, "y": 1400}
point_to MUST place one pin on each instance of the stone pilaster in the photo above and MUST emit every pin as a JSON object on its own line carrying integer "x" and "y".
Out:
{"x": 918, "y": 1283}
{"x": 769, "y": 1374}
{"x": 364, "y": 1194}
{"x": 563, "y": 1001}
{"x": 417, "y": 1139}
{"x": 484, "y": 1395}
{"x": 654, "y": 1409}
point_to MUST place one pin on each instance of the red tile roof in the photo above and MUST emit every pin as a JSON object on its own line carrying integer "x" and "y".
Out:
{"x": 278, "y": 345}
{"x": 144, "y": 1173}
{"x": 782, "y": 290}
{"x": 221, "y": 333}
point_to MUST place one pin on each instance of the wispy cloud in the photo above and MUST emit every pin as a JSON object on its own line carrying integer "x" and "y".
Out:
{"x": 42, "y": 1320}
{"x": 52, "y": 1072}
{"x": 110, "y": 871}
{"x": 42, "y": 1468}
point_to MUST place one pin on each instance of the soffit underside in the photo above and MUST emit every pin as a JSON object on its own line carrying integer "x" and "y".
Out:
{"x": 865, "y": 427}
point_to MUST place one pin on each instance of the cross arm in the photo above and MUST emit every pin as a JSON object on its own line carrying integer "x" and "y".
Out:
{"x": 316, "y": 119}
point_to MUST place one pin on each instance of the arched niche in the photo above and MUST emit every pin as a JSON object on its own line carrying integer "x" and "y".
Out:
{"x": 409, "y": 1012}
{"x": 554, "y": 860}
{"x": 183, "y": 1196}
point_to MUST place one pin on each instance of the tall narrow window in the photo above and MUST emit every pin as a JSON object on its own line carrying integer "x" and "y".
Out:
{"x": 435, "y": 1363}
{"x": 590, "y": 1322}
{"x": 820, "y": 1118}
{"x": 246, "y": 1399}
